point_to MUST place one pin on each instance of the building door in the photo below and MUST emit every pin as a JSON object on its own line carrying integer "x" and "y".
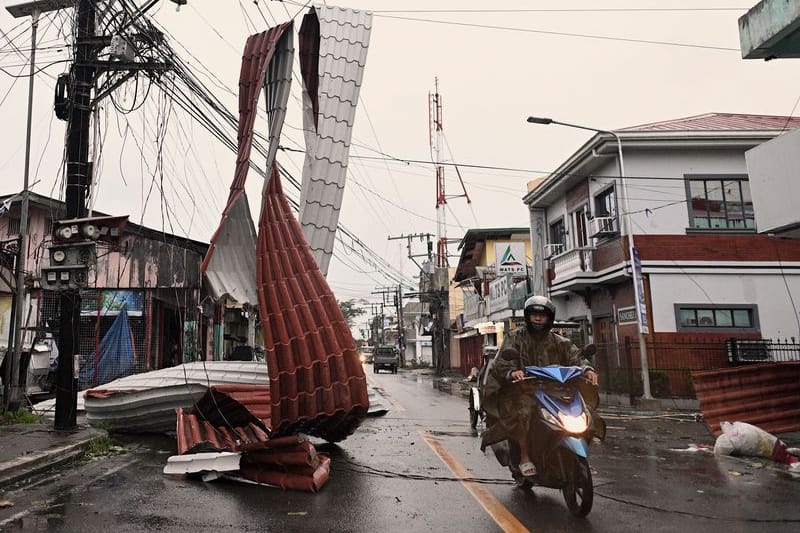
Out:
{"x": 605, "y": 340}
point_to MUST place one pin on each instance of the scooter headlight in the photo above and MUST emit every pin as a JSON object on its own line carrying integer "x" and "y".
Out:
{"x": 574, "y": 424}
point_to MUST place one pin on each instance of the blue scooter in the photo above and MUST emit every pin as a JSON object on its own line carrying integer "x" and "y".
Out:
{"x": 560, "y": 434}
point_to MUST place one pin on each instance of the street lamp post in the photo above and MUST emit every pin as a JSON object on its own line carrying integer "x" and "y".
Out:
{"x": 33, "y": 10}
{"x": 632, "y": 251}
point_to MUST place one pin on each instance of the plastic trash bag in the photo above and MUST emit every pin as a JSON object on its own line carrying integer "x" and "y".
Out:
{"x": 741, "y": 438}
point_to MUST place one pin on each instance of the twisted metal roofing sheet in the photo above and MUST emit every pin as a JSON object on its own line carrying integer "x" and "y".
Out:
{"x": 147, "y": 402}
{"x": 333, "y": 50}
{"x": 722, "y": 122}
{"x": 225, "y": 419}
{"x": 765, "y": 395}
{"x": 229, "y": 264}
{"x": 317, "y": 382}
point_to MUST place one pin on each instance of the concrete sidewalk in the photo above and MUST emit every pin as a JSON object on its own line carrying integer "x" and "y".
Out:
{"x": 27, "y": 449}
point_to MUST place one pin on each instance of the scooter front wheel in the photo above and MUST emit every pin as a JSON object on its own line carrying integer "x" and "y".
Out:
{"x": 578, "y": 490}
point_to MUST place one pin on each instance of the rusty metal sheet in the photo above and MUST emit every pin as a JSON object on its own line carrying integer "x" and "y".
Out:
{"x": 317, "y": 383}
{"x": 222, "y": 421}
{"x": 229, "y": 264}
{"x": 765, "y": 395}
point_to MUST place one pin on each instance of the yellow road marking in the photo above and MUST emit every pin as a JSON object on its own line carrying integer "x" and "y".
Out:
{"x": 492, "y": 505}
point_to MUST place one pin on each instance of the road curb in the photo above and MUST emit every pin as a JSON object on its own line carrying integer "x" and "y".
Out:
{"x": 36, "y": 462}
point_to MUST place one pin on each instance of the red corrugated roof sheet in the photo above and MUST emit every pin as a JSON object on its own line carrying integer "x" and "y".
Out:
{"x": 765, "y": 395}
{"x": 222, "y": 420}
{"x": 722, "y": 122}
{"x": 317, "y": 383}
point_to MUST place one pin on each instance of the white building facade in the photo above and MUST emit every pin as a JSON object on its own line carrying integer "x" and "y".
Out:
{"x": 707, "y": 270}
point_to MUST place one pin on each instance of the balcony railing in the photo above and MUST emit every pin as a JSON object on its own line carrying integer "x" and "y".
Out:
{"x": 572, "y": 262}
{"x": 552, "y": 250}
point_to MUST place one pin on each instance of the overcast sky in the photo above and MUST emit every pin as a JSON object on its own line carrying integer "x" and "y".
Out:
{"x": 606, "y": 64}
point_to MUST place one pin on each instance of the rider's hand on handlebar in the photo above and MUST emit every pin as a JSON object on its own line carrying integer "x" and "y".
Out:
{"x": 591, "y": 375}
{"x": 517, "y": 375}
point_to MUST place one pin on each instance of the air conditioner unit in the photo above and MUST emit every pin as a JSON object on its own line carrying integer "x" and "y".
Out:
{"x": 551, "y": 250}
{"x": 602, "y": 226}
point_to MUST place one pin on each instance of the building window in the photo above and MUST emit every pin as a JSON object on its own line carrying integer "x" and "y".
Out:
{"x": 693, "y": 317}
{"x": 579, "y": 227}
{"x": 13, "y": 227}
{"x": 720, "y": 203}
{"x": 557, "y": 232}
{"x": 605, "y": 204}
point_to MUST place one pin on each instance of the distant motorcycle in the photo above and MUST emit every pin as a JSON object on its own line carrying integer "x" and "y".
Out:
{"x": 560, "y": 434}
{"x": 476, "y": 412}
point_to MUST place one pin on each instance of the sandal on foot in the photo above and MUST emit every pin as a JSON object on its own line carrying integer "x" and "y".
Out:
{"x": 527, "y": 469}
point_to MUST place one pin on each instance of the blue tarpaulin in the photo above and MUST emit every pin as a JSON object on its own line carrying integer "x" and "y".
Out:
{"x": 116, "y": 355}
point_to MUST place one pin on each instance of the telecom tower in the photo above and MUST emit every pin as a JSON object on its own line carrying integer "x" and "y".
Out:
{"x": 435, "y": 137}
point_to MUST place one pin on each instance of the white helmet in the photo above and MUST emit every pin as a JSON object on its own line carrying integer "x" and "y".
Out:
{"x": 539, "y": 304}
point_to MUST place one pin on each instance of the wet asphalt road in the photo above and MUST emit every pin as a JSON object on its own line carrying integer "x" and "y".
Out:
{"x": 387, "y": 477}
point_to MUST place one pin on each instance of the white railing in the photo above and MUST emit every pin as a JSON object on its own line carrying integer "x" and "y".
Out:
{"x": 552, "y": 250}
{"x": 572, "y": 262}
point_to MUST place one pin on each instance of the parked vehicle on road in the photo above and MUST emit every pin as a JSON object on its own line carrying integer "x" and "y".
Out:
{"x": 560, "y": 434}
{"x": 365, "y": 354}
{"x": 386, "y": 357}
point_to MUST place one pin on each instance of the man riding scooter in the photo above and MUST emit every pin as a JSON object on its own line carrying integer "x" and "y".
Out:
{"x": 509, "y": 414}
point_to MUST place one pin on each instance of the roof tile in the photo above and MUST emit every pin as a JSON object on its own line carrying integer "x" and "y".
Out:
{"x": 722, "y": 122}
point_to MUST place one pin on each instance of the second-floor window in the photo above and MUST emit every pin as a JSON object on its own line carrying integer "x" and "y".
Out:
{"x": 605, "y": 204}
{"x": 557, "y": 232}
{"x": 13, "y": 227}
{"x": 720, "y": 202}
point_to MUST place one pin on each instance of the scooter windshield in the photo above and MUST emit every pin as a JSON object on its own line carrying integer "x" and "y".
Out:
{"x": 561, "y": 374}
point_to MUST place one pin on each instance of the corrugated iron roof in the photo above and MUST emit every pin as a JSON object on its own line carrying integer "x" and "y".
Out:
{"x": 222, "y": 421}
{"x": 229, "y": 264}
{"x": 722, "y": 122}
{"x": 333, "y": 51}
{"x": 765, "y": 395}
{"x": 317, "y": 384}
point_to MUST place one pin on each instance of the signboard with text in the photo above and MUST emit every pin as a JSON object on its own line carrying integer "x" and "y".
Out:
{"x": 510, "y": 257}
{"x": 638, "y": 290}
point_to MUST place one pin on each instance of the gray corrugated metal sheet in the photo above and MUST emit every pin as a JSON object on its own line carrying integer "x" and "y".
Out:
{"x": 147, "y": 402}
{"x": 342, "y": 39}
{"x": 230, "y": 265}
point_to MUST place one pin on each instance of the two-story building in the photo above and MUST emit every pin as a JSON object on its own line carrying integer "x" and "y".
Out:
{"x": 493, "y": 275}
{"x": 686, "y": 201}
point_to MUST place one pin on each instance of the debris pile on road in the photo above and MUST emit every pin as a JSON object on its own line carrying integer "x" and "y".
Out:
{"x": 741, "y": 438}
{"x": 227, "y": 435}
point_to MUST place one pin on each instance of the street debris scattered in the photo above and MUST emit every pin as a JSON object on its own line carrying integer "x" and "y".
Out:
{"x": 693, "y": 448}
{"x": 741, "y": 438}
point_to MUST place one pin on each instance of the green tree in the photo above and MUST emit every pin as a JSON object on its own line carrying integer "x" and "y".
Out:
{"x": 350, "y": 310}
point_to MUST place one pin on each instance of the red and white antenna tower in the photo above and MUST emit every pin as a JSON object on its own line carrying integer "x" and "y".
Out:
{"x": 436, "y": 137}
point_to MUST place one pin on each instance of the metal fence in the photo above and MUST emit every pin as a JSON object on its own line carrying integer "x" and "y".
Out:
{"x": 671, "y": 364}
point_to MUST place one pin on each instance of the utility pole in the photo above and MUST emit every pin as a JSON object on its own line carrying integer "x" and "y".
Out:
{"x": 11, "y": 379}
{"x": 82, "y": 79}
{"x": 410, "y": 237}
